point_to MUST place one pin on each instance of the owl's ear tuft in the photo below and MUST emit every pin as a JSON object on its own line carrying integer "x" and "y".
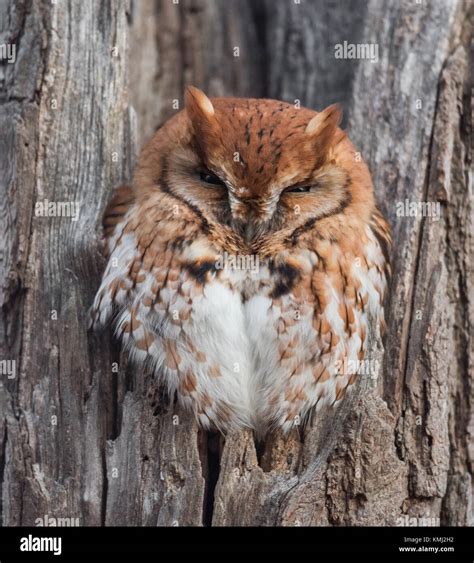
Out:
{"x": 198, "y": 105}
{"x": 325, "y": 122}
{"x": 322, "y": 129}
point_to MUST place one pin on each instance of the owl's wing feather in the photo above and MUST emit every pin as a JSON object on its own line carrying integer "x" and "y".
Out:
{"x": 122, "y": 199}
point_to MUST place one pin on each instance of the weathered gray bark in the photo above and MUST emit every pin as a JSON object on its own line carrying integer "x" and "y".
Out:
{"x": 121, "y": 453}
{"x": 63, "y": 117}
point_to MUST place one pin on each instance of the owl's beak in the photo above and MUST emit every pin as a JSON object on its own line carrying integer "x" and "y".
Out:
{"x": 250, "y": 218}
{"x": 250, "y": 230}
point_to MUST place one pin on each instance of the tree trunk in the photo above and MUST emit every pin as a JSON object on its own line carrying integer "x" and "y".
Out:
{"x": 82, "y": 435}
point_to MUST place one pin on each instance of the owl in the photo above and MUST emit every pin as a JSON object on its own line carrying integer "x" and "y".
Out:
{"x": 247, "y": 263}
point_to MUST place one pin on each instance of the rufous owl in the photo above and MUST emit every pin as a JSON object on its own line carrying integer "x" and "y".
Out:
{"x": 247, "y": 262}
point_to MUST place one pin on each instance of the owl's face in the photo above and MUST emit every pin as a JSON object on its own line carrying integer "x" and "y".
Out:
{"x": 255, "y": 166}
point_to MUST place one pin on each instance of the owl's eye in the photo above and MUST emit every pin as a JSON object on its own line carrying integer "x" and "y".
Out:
{"x": 298, "y": 189}
{"x": 210, "y": 178}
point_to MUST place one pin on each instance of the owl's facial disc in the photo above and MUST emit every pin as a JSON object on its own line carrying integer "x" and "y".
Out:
{"x": 256, "y": 167}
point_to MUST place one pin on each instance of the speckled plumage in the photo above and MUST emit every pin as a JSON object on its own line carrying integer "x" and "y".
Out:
{"x": 256, "y": 347}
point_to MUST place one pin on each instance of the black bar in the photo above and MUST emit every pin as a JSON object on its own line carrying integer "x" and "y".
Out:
{"x": 433, "y": 544}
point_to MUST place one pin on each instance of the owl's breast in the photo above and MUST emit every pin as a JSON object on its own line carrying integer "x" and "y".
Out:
{"x": 244, "y": 343}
